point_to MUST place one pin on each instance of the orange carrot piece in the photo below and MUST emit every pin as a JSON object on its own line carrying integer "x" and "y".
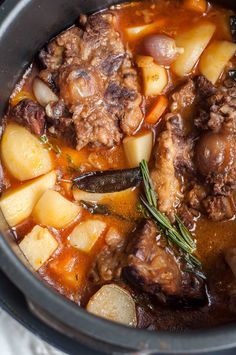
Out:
{"x": 196, "y": 5}
{"x": 157, "y": 110}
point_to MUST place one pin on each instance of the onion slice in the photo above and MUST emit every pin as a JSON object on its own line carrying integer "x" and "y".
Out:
{"x": 43, "y": 93}
{"x": 114, "y": 303}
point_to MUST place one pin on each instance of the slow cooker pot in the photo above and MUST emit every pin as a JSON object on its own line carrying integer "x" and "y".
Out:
{"x": 25, "y": 26}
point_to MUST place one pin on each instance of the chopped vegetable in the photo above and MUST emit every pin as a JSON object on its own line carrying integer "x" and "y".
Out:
{"x": 143, "y": 61}
{"x": 194, "y": 41}
{"x": 215, "y": 59}
{"x": 38, "y": 246}
{"x": 157, "y": 110}
{"x": 138, "y": 147}
{"x": 18, "y": 204}
{"x": 85, "y": 235}
{"x": 195, "y": 5}
{"x": 43, "y": 93}
{"x": 54, "y": 210}
{"x": 162, "y": 48}
{"x": 179, "y": 235}
{"x": 138, "y": 32}
{"x": 232, "y": 22}
{"x": 108, "y": 181}
{"x": 22, "y": 154}
{"x": 114, "y": 303}
{"x": 155, "y": 79}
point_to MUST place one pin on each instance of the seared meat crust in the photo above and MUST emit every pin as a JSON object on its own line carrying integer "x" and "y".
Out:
{"x": 31, "y": 115}
{"x": 154, "y": 268}
{"x": 96, "y": 79}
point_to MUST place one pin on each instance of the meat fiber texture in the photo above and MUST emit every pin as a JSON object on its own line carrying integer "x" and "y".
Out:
{"x": 187, "y": 181}
{"x": 92, "y": 72}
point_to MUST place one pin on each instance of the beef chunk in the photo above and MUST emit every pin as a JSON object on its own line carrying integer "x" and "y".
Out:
{"x": 109, "y": 261}
{"x": 153, "y": 267}
{"x": 183, "y": 96}
{"x": 31, "y": 115}
{"x": 204, "y": 88}
{"x": 94, "y": 75}
{"x": 218, "y": 111}
{"x": 60, "y": 123}
{"x": 219, "y": 208}
{"x": 172, "y": 156}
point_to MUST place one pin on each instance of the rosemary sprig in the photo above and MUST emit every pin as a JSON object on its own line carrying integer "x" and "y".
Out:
{"x": 177, "y": 234}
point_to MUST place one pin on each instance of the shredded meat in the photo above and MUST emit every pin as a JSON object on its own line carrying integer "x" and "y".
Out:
{"x": 206, "y": 158}
{"x": 154, "y": 268}
{"x": 109, "y": 261}
{"x": 172, "y": 153}
{"x": 29, "y": 114}
{"x": 219, "y": 208}
{"x": 183, "y": 96}
{"x": 96, "y": 79}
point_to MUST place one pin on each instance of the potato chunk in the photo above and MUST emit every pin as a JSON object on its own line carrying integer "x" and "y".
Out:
{"x": 215, "y": 58}
{"x": 85, "y": 235}
{"x": 38, "y": 246}
{"x": 138, "y": 147}
{"x": 194, "y": 41}
{"x": 137, "y": 32}
{"x": 155, "y": 79}
{"x": 55, "y": 210}
{"x": 18, "y": 204}
{"x": 114, "y": 303}
{"x": 23, "y": 154}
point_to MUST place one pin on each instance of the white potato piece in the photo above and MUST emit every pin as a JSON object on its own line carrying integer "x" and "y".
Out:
{"x": 86, "y": 234}
{"x": 114, "y": 303}
{"x": 38, "y": 246}
{"x": 23, "y": 154}
{"x": 215, "y": 58}
{"x": 43, "y": 93}
{"x": 54, "y": 210}
{"x": 194, "y": 41}
{"x": 80, "y": 195}
{"x": 155, "y": 79}
{"x": 18, "y": 204}
{"x": 138, "y": 32}
{"x": 138, "y": 147}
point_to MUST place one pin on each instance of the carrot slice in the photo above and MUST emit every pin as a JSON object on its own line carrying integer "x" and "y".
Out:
{"x": 157, "y": 110}
{"x": 195, "y": 5}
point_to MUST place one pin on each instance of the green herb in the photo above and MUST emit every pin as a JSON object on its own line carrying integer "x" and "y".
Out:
{"x": 48, "y": 145}
{"x": 177, "y": 234}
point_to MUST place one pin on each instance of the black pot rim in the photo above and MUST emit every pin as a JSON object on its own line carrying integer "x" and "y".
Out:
{"x": 68, "y": 313}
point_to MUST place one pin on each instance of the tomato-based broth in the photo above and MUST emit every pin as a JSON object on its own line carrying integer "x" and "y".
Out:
{"x": 159, "y": 87}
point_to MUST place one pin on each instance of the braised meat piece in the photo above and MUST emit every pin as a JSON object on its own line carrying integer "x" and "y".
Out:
{"x": 94, "y": 75}
{"x": 183, "y": 96}
{"x": 154, "y": 267}
{"x": 219, "y": 208}
{"x": 172, "y": 156}
{"x": 217, "y": 111}
{"x": 31, "y": 115}
{"x": 215, "y": 150}
{"x": 108, "y": 263}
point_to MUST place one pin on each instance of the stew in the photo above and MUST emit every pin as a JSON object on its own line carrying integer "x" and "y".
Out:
{"x": 118, "y": 157}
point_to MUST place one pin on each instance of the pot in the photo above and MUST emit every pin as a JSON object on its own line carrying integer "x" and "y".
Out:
{"x": 25, "y": 26}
